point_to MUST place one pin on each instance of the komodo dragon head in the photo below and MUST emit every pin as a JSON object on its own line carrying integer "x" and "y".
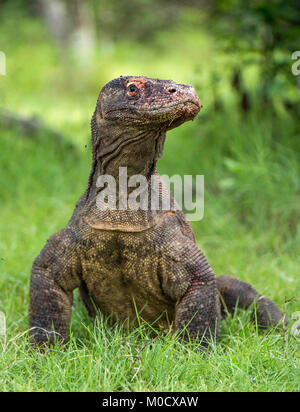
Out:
{"x": 130, "y": 122}
{"x": 147, "y": 103}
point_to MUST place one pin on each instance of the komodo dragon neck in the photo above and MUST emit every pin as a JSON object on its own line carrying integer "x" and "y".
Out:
{"x": 115, "y": 146}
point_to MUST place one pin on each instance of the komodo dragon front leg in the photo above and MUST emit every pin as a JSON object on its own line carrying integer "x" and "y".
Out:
{"x": 202, "y": 299}
{"x": 190, "y": 282}
{"x": 197, "y": 314}
{"x": 54, "y": 277}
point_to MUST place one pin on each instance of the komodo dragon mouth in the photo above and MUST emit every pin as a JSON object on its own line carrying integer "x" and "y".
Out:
{"x": 196, "y": 109}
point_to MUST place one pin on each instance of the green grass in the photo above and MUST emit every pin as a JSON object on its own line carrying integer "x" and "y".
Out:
{"x": 250, "y": 228}
{"x": 113, "y": 359}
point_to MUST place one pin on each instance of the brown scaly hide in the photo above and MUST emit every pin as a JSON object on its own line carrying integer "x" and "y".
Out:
{"x": 134, "y": 260}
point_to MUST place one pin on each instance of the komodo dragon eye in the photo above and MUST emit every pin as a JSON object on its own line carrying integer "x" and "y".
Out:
{"x": 132, "y": 90}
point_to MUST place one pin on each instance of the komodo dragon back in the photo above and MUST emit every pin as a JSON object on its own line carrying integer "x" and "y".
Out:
{"x": 126, "y": 259}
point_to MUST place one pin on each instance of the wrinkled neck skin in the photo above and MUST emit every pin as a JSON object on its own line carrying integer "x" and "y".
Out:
{"x": 116, "y": 145}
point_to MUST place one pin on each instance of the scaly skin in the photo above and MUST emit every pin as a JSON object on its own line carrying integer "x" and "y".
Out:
{"x": 134, "y": 260}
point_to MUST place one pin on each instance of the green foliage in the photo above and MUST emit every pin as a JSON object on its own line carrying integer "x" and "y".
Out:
{"x": 262, "y": 34}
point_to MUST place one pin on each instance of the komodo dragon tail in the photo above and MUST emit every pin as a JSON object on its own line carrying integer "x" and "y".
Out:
{"x": 235, "y": 293}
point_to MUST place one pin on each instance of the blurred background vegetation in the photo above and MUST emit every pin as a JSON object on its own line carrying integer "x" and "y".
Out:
{"x": 246, "y": 141}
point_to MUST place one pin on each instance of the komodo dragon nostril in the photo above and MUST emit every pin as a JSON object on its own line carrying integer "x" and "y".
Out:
{"x": 172, "y": 90}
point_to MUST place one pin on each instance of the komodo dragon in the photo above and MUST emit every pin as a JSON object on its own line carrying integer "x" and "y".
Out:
{"x": 127, "y": 261}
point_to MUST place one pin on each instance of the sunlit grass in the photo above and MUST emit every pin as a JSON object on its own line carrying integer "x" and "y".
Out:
{"x": 106, "y": 358}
